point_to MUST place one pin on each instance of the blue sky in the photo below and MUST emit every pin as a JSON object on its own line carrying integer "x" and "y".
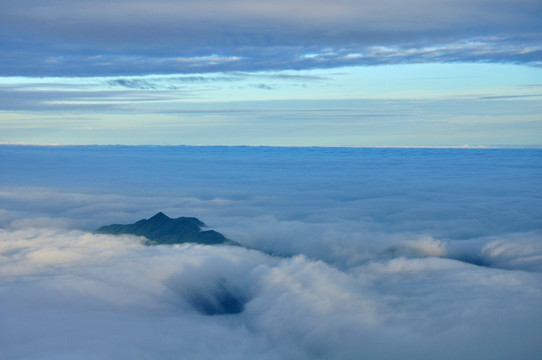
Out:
{"x": 329, "y": 73}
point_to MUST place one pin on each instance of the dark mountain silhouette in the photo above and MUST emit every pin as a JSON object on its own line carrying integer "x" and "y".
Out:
{"x": 161, "y": 229}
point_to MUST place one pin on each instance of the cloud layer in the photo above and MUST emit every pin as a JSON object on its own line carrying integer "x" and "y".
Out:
{"x": 134, "y": 37}
{"x": 70, "y": 294}
{"x": 385, "y": 253}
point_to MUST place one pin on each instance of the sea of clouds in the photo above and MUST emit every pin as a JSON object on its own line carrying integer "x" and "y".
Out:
{"x": 348, "y": 253}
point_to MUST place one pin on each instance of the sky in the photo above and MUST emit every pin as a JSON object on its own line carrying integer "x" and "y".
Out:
{"x": 288, "y": 73}
{"x": 386, "y": 253}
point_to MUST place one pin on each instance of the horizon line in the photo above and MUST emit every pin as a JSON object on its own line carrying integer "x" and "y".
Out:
{"x": 464, "y": 146}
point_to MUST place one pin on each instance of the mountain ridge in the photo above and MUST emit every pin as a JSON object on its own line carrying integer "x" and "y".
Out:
{"x": 160, "y": 229}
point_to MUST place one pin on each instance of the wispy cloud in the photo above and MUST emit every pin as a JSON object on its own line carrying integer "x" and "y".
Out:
{"x": 403, "y": 105}
{"x": 481, "y": 50}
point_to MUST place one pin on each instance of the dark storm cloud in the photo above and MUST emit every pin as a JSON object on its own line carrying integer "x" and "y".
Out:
{"x": 131, "y": 37}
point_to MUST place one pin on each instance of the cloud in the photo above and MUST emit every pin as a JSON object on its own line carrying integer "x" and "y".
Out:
{"x": 133, "y": 37}
{"x": 245, "y": 21}
{"x": 357, "y": 205}
{"x": 384, "y": 252}
{"x": 462, "y": 50}
{"x": 390, "y": 105}
{"x": 123, "y": 93}
{"x": 95, "y": 295}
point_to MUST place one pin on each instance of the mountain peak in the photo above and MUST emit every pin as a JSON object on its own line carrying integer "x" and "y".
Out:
{"x": 160, "y": 216}
{"x": 161, "y": 229}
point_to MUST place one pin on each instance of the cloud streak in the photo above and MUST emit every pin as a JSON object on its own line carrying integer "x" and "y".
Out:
{"x": 424, "y": 104}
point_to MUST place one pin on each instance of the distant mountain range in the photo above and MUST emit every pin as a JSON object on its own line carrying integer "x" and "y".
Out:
{"x": 161, "y": 229}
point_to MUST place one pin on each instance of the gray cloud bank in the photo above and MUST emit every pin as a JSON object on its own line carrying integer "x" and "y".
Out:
{"x": 393, "y": 253}
{"x": 134, "y": 37}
